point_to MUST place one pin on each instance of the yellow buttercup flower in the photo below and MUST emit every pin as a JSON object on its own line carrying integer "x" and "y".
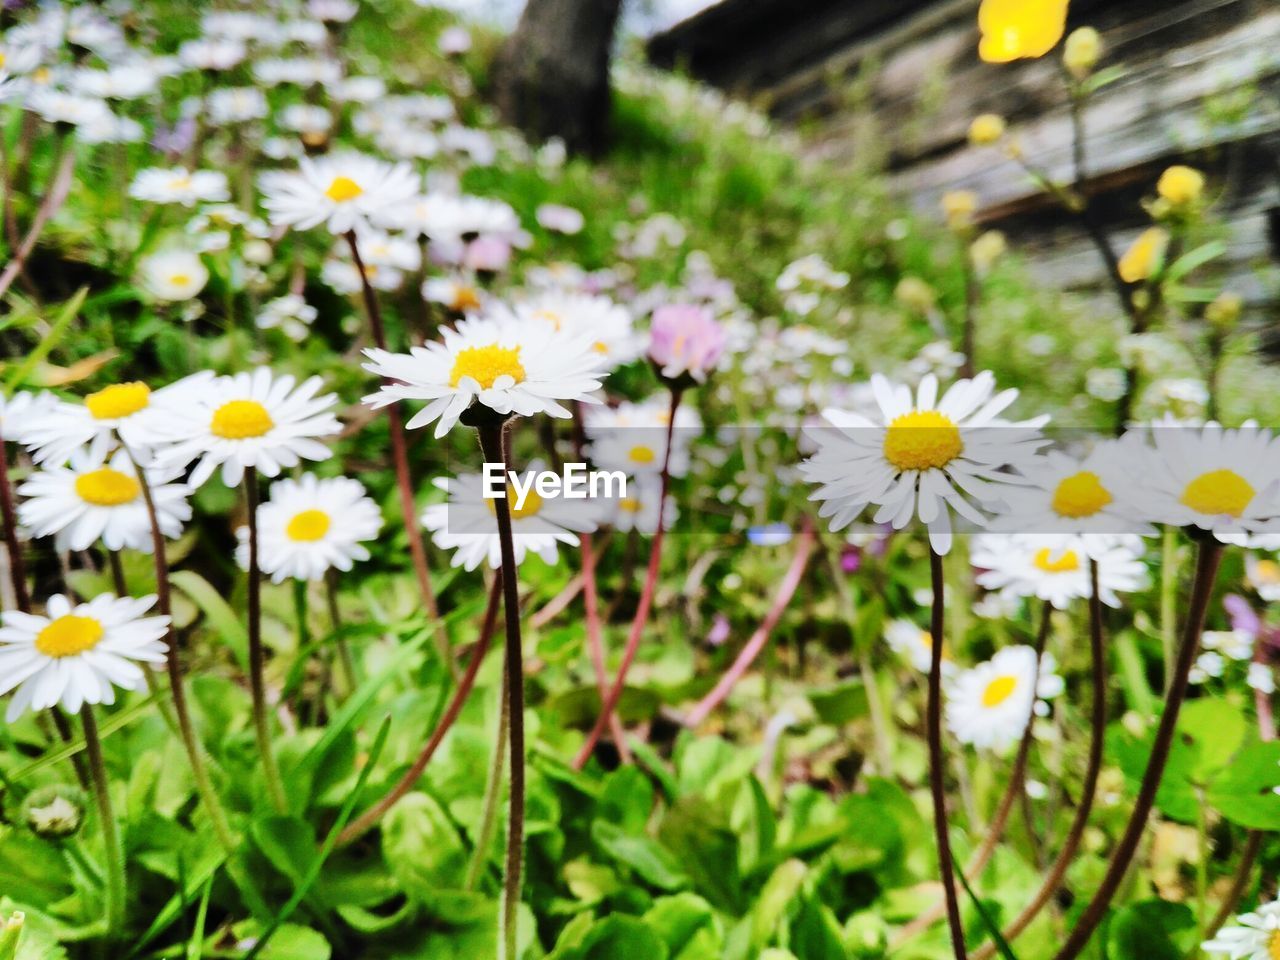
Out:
{"x": 1143, "y": 258}
{"x": 1083, "y": 51}
{"x": 1020, "y": 29}
{"x": 986, "y": 129}
{"x": 1181, "y": 186}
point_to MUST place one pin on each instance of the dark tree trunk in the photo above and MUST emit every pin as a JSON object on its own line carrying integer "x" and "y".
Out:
{"x": 552, "y": 77}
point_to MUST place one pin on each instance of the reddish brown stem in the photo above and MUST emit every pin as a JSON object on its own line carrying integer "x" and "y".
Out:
{"x": 17, "y": 560}
{"x": 400, "y": 458}
{"x": 646, "y": 601}
{"x": 1207, "y": 563}
{"x": 366, "y": 821}
{"x": 742, "y": 663}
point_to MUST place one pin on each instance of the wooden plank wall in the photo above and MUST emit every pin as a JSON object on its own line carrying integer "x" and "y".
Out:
{"x": 924, "y": 83}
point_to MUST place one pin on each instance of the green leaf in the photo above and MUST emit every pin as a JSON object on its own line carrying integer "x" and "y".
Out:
{"x": 641, "y": 854}
{"x": 1195, "y": 258}
{"x": 1152, "y": 930}
{"x": 225, "y": 621}
{"x": 1218, "y": 728}
{"x": 50, "y": 340}
{"x": 688, "y": 926}
{"x": 815, "y": 934}
{"x": 1244, "y": 792}
{"x": 992, "y": 927}
{"x": 288, "y": 942}
{"x": 288, "y": 843}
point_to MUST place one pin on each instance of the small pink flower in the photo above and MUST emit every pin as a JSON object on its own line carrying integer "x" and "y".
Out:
{"x": 685, "y": 340}
{"x": 719, "y": 632}
{"x": 560, "y": 219}
{"x": 487, "y": 253}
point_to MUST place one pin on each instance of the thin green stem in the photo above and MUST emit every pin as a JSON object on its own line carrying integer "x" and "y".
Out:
{"x": 335, "y": 624}
{"x": 257, "y": 654}
{"x": 110, "y": 831}
{"x": 492, "y": 793}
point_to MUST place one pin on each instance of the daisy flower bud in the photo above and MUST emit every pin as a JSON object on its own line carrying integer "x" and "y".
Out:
{"x": 1083, "y": 51}
{"x": 174, "y": 275}
{"x": 54, "y": 812}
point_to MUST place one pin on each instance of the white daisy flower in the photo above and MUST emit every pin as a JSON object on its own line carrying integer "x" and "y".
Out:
{"x": 455, "y": 294}
{"x": 343, "y": 191}
{"x": 253, "y": 420}
{"x": 451, "y": 218}
{"x": 616, "y": 339}
{"x": 173, "y": 275}
{"x": 386, "y": 250}
{"x": 915, "y": 645}
{"x": 179, "y": 185}
{"x": 510, "y": 369}
{"x": 1218, "y": 480}
{"x": 1235, "y": 644}
{"x": 921, "y": 457}
{"x": 1064, "y": 494}
{"x": 126, "y": 411}
{"x": 638, "y": 510}
{"x": 1261, "y": 678}
{"x": 92, "y": 499}
{"x": 633, "y": 436}
{"x": 1055, "y": 567}
{"x": 467, "y": 523}
{"x": 1263, "y": 574}
{"x": 989, "y": 706}
{"x": 19, "y": 411}
{"x": 290, "y": 313}
{"x": 342, "y": 276}
{"x": 75, "y": 655}
{"x": 228, "y": 105}
{"x": 212, "y": 54}
{"x": 1210, "y": 665}
{"x": 310, "y": 526}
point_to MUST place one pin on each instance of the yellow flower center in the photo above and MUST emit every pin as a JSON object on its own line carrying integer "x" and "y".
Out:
{"x": 1266, "y": 571}
{"x": 484, "y": 365}
{"x": 998, "y": 691}
{"x": 343, "y": 189}
{"x": 629, "y": 505}
{"x": 117, "y": 401}
{"x": 107, "y": 488}
{"x": 1080, "y": 495}
{"x": 69, "y": 636}
{"x": 464, "y": 299}
{"x": 532, "y": 504}
{"x": 179, "y": 280}
{"x": 1218, "y": 493}
{"x": 180, "y": 183}
{"x": 308, "y": 526}
{"x": 926, "y": 641}
{"x": 1049, "y": 562}
{"x": 922, "y": 440}
{"x": 642, "y": 454}
{"x": 600, "y": 347}
{"x": 1273, "y": 946}
{"x": 240, "y": 420}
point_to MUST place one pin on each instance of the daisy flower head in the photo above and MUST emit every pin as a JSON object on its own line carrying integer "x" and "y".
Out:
{"x": 94, "y": 499}
{"x": 54, "y": 429}
{"x": 17, "y": 412}
{"x": 467, "y": 523}
{"x": 609, "y": 323}
{"x": 686, "y": 342}
{"x": 1089, "y": 495}
{"x": 1254, "y": 936}
{"x": 638, "y": 510}
{"x": 1263, "y": 574}
{"x": 73, "y": 655}
{"x": 252, "y": 420}
{"x": 1055, "y": 567}
{"x": 915, "y": 645}
{"x": 173, "y": 276}
{"x": 310, "y": 526}
{"x": 632, "y": 437}
{"x": 179, "y": 185}
{"x": 343, "y": 191}
{"x": 1223, "y": 481}
{"x": 990, "y": 705}
{"x": 456, "y": 294}
{"x": 921, "y": 456}
{"x": 509, "y": 368}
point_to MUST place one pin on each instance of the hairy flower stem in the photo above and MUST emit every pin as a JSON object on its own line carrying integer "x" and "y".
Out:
{"x": 370, "y": 818}
{"x": 177, "y": 686}
{"x": 937, "y": 763}
{"x": 646, "y": 599}
{"x": 591, "y": 606}
{"x": 1097, "y": 732}
{"x": 742, "y": 663}
{"x": 404, "y": 481}
{"x": 1208, "y": 559}
{"x": 1015, "y": 788}
{"x": 491, "y": 443}
{"x": 492, "y": 793}
{"x": 257, "y": 655}
{"x": 107, "y": 823}
{"x": 17, "y": 560}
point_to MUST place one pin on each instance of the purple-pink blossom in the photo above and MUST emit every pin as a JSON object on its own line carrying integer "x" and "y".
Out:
{"x": 685, "y": 340}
